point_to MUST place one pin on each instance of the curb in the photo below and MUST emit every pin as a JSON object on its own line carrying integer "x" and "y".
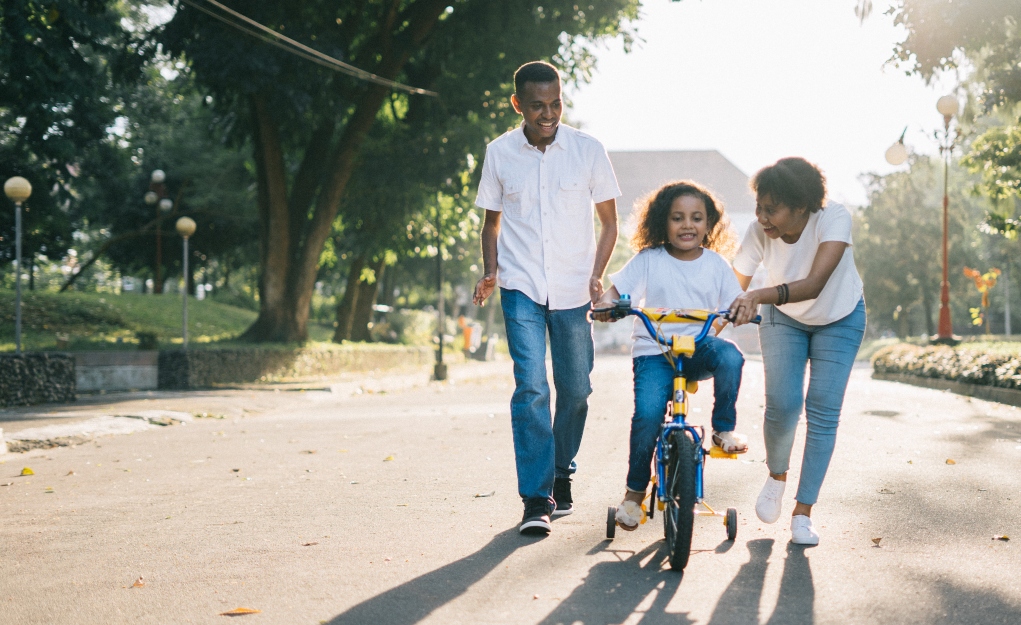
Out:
{"x": 1007, "y": 396}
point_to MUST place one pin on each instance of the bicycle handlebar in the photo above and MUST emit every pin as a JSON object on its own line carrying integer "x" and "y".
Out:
{"x": 707, "y": 317}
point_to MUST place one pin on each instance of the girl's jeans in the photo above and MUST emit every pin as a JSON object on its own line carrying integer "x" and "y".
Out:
{"x": 787, "y": 346}
{"x": 654, "y": 386}
{"x": 545, "y": 447}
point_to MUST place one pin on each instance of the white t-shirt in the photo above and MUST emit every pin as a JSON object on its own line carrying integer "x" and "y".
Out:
{"x": 787, "y": 262}
{"x": 655, "y": 279}
{"x": 547, "y": 245}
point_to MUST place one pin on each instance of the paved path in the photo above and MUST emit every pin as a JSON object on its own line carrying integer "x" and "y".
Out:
{"x": 340, "y": 507}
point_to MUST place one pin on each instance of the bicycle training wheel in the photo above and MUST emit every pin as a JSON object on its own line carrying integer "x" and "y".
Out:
{"x": 679, "y": 515}
{"x": 611, "y": 522}
{"x": 731, "y": 523}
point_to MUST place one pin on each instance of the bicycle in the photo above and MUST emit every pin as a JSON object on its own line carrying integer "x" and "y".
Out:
{"x": 678, "y": 482}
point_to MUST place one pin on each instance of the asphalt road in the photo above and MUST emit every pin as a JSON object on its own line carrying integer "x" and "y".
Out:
{"x": 394, "y": 502}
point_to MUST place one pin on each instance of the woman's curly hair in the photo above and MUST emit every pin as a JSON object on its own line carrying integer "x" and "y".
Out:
{"x": 650, "y": 218}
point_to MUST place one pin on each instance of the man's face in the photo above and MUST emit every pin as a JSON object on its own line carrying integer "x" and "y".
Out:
{"x": 541, "y": 108}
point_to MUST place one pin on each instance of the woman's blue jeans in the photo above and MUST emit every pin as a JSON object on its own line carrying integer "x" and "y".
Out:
{"x": 829, "y": 350}
{"x": 654, "y": 385}
{"x": 545, "y": 447}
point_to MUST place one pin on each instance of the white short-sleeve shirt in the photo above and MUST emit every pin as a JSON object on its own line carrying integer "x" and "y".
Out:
{"x": 547, "y": 246}
{"x": 787, "y": 262}
{"x": 655, "y": 279}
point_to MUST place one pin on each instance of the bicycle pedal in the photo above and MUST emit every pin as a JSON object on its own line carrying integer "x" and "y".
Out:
{"x": 717, "y": 452}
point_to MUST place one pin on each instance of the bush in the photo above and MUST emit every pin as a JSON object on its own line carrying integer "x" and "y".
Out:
{"x": 988, "y": 364}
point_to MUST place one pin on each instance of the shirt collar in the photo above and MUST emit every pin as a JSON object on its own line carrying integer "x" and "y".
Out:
{"x": 560, "y": 141}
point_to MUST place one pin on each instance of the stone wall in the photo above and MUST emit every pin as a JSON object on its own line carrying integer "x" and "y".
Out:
{"x": 205, "y": 368}
{"x": 36, "y": 378}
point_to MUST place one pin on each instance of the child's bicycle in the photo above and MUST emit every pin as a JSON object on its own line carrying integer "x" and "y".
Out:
{"x": 678, "y": 485}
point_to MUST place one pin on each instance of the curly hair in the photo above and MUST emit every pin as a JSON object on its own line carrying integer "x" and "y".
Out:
{"x": 653, "y": 212}
{"x": 792, "y": 181}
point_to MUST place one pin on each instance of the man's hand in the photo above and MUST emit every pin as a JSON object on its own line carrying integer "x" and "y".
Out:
{"x": 595, "y": 289}
{"x": 484, "y": 288}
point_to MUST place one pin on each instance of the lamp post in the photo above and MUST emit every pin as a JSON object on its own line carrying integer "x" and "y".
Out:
{"x": 947, "y": 107}
{"x": 156, "y": 196}
{"x": 440, "y": 369}
{"x": 185, "y": 228}
{"x": 19, "y": 190}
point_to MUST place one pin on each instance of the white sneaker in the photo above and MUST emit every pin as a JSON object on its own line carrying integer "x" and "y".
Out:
{"x": 770, "y": 500}
{"x": 802, "y": 531}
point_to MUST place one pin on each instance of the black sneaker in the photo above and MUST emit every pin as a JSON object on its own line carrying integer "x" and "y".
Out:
{"x": 562, "y": 495}
{"x": 536, "y": 519}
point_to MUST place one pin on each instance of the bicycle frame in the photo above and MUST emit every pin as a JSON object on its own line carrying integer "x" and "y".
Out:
{"x": 677, "y": 346}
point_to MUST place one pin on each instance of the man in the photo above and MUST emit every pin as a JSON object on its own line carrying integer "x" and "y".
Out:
{"x": 539, "y": 183}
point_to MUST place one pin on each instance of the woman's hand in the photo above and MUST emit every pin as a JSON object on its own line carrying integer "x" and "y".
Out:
{"x": 744, "y": 308}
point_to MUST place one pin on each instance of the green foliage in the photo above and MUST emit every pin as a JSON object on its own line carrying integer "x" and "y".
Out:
{"x": 897, "y": 245}
{"x": 986, "y": 363}
{"x": 60, "y": 62}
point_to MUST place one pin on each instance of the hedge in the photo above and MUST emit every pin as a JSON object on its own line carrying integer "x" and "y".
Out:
{"x": 997, "y": 365}
{"x": 36, "y": 378}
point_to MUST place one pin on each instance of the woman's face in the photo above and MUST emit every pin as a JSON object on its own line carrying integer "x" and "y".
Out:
{"x": 686, "y": 225}
{"x": 779, "y": 220}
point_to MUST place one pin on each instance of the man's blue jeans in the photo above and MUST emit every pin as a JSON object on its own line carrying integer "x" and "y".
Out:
{"x": 545, "y": 446}
{"x": 654, "y": 385}
{"x": 787, "y": 347}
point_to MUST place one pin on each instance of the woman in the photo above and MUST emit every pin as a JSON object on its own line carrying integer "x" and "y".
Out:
{"x": 814, "y": 315}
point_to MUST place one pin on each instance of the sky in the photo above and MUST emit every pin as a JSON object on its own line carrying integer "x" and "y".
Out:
{"x": 760, "y": 80}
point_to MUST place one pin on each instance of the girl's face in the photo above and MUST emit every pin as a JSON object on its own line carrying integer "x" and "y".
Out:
{"x": 686, "y": 227}
{"x": 780, "y": 221}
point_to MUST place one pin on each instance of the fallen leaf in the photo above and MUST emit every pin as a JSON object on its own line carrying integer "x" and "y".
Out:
{"x": 1004, "y": 538}
{"x": 139, "y": 583}
{"x": 887, "y": 491}
{"x": 49, "y": 489}
{"x": 402, "y": 505}
{"x": 876, "y": 541}
{"x": 70, "y": 472}
{"x": 27, "y": 471}
{"x": 388, "y": 458}
{"x": 309, "y": 451}
{"x": 240, "y": 612}
{"x": 489, "y": 494}
{"x": 235, "y": 470}
{"x": 535, "y": 596}
{"x": 308, "y": 544}
{"x": 951, "y": 461}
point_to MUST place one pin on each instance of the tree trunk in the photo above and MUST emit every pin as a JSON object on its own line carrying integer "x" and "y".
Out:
{"x": 927, "y": 306}
{"x": 290, "y": 262}
{"x": 367, "y": 293}
{"x": 346, "y": 307}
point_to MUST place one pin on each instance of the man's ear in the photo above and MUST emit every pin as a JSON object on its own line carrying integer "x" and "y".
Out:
{"x": 516, "y": 103}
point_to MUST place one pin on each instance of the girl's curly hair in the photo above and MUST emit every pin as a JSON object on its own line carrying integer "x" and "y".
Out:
{"x": 651, "y": 217}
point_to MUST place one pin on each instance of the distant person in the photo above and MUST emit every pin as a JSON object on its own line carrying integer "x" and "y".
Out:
{"x": 814, "y": 315}
{"x": 681, "y": 231}
{"x": 539, "y": 183}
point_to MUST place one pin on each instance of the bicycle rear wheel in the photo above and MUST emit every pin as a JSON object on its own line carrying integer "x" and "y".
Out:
{"x": 679, "y": 515}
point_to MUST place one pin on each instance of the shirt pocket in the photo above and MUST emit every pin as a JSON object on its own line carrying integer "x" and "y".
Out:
{"x": 513, "y": 194}
{"x": 573, "y": 194}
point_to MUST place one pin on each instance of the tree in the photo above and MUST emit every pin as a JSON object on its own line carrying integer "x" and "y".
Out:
{"x": 59, "y": 63}
{"x": 308, "y": 125}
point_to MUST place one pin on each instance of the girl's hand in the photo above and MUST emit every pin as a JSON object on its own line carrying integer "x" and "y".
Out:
{"x": 745, "y": 307}
{"x": 484, "y": 289}
{"x": 606, "y": 300}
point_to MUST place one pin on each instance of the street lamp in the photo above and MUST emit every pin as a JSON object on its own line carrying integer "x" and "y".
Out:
{"x": 185, "y": 228}
{"x": 896, "y": 154}
{"x": 947, "y": 107}
{"x": 19, "y": 190}
{"x": 156, "y": 197}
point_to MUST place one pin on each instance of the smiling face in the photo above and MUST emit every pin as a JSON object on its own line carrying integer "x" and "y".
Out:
{"x": 541, "y": 107}
{"x": 686, "y": 227}
{"x": 780, "y": 221}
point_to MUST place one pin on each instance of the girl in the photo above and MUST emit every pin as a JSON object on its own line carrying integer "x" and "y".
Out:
{"x": 680, "y": 233}
{"x": 814, "y": 315}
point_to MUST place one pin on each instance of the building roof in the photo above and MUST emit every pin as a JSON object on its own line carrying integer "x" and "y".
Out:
{"x": 642, "y": 172}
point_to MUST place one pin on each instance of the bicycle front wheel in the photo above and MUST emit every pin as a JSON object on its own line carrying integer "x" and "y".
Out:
{"x": 679, "y": 515}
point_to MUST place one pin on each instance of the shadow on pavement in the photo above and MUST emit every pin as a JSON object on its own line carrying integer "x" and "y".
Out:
{"x": 613, "y": 591}
{"x": 796, "y": 603}
{"x": 739, "y": 603}
{"x": 416, "y": 599}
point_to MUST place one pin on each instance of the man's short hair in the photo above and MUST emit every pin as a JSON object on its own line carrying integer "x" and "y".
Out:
{"x": 536, "y": 71}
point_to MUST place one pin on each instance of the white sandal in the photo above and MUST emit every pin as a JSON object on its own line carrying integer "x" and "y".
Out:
{"x": 629, "y": 515}
{"x": 731, "y": 442}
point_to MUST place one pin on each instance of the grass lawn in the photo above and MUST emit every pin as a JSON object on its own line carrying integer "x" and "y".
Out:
{"x": 95, "y": 321}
